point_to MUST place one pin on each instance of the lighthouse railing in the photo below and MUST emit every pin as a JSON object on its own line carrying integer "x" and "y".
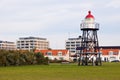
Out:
{"x": 85, "y": 25}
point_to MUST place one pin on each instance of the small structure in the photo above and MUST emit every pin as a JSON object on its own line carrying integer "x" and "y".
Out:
{"x": 89, "y": 50}
{"x": 110, "y": 53}
{"x": 58, "y": 54}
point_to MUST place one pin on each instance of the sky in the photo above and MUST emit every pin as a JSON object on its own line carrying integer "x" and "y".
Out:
{"x": 58, "y": 20}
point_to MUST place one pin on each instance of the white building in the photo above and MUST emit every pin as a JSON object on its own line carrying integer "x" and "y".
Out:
{"x": 114, "y": 56}
{"x": 110, "y": 53}
{"x": 7, "y": 45}
{"x": 72, "y": 43}
{"x": 58, "y": 54}
{"x": 111, "y": 57}
{"x": 30, "y": 43}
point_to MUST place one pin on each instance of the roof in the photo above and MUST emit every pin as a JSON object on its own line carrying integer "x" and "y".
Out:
{"x": 107, "y": 51}
{"x": 78, "y": 38}
{"x": 110, "y": 47}
{"x": 6, "y": 42}
{"x": 54, "y": 52}
{"x": 33, "y": 38}
{"x": 89, "y": 15}
{"x": 103, "y": 47}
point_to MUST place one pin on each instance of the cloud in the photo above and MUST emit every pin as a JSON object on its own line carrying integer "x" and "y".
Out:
{"x": 109, "y": 39}
{"x": 20, "y": 19}
{"x": 57, "y": 41}
{"x": 114, "y": 4}
{"x": 54, "y": 19}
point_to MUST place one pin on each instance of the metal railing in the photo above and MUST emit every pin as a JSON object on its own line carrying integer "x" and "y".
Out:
{"x": 89, "y": 25}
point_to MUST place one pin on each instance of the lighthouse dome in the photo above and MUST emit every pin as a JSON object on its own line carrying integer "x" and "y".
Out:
{"x": 89, "y": 15}
{"x": 89, "y": 22}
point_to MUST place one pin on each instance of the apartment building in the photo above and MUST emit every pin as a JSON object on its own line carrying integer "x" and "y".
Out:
{"x": 30, "y": 43}
{"x": 72, "y": 43}
{"x": 7, "y": 45}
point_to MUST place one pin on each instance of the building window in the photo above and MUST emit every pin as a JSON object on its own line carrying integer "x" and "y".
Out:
{"x": 59, "y": 53}
{"x": 61, "y": 58}
{"x": 72, "y": 42}
{"x": 67, "y": 42}
{"x": 49, "y": 53}
{"x": 72, "y": 51}
{"x": 18, "y": 47}
{"x": 115, "y": 53}
{"x": 110, "y": 52}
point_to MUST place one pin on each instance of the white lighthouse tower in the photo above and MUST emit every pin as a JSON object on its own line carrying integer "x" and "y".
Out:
{"x": 89, "y": 50}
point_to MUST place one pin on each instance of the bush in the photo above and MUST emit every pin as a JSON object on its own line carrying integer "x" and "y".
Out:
{"x": 16, "y": 58}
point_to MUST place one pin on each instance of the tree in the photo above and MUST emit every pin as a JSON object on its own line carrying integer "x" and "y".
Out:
{"x": 15, "y": 58}
{"x": 41, "y": 59}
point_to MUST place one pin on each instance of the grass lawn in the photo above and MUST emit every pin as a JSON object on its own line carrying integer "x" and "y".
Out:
{"x": 108, "y": 71}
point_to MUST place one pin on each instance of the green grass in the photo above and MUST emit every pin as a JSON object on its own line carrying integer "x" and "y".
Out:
{"x": 108, "y": 71}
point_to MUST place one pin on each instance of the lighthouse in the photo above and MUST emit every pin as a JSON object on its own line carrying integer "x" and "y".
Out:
{"x": 89, "y": 53}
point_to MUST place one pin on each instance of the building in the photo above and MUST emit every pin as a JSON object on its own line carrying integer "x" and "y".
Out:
{"x": 7, "y": 45}
{"x": 30, "y": 43}
{"x": 72, "y": 43}
{"x": 56, "y": 54}
{"x": 110, "y": 53}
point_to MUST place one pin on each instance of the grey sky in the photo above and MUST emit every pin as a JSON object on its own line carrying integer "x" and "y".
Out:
{"x": 57, "y": 20}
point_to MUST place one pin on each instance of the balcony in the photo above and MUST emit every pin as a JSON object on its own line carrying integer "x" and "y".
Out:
{"x": 93, "y": 26}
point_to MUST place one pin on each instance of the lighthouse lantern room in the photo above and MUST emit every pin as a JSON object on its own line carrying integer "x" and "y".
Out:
{"x": 89, "y": 22}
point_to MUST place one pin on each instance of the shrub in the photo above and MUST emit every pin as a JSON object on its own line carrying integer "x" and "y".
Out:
{"x": 16, "y": 58}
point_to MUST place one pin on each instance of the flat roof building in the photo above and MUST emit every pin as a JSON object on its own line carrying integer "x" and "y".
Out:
{"x": 7, "y": 45}
{"x": 72, "y": 43}
{"x": 30, "y": 43}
